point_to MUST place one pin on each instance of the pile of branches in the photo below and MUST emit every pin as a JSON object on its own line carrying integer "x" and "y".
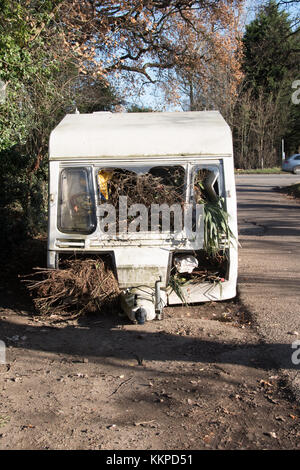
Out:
{"x": 165, "y": 187}
{"x": 79, "y": 287}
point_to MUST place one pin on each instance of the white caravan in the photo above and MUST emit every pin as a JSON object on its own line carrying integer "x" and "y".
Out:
{"x": 86, "y": 147}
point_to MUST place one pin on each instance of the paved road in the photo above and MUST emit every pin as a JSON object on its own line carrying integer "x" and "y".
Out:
{"x": 269, "y": 265}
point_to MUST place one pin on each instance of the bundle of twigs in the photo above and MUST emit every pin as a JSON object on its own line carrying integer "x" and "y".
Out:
{"x": 79, "y": 287}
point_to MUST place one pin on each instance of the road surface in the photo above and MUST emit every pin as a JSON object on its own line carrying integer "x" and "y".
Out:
{"x": 269, "y": 265}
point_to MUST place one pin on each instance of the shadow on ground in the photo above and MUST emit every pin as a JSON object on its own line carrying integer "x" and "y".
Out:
{"x": 110, "y": 337}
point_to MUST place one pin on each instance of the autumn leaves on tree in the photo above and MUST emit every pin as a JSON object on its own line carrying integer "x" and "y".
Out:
{"x": 163, "y": 42}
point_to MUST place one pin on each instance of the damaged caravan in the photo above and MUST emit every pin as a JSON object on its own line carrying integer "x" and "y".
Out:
{"x": 156, "y": 192}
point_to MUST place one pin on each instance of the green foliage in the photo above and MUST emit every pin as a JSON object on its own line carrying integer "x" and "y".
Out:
{"x": 29, "y": 68}
{"x": 23, "y": 198}
{"x": 176, "y": 282}
{"x": 217, "y": 232}
{"x": 268, "y": 47}
{"x": 292, "y": 134}
{"x": 43, "y": 83}
{"x": 266, "y": 171}
{"x": 134, "y": 108}
{"x": 94, "y": 95}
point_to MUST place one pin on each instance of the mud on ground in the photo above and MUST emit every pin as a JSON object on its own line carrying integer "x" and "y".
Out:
{"x": 198, "y": 379}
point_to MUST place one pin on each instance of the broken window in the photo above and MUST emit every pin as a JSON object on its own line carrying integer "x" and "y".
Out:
{"x": 157, "y": 185}
{"x": 206, "y": 184}
{"x": 142, "y": 186}
{"x": 76, "y": 210}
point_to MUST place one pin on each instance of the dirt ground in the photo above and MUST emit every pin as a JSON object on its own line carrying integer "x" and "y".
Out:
{"x": 198, "y": 379}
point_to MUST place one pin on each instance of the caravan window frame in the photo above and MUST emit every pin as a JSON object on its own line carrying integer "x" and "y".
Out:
{"x": 216, "y": 166}
{"x": 92, "y": 225}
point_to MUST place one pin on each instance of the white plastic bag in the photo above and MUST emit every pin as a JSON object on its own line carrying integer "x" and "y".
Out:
{"x": 185, "y": 264}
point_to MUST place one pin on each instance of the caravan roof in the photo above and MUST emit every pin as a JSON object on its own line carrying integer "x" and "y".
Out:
{"x": 115, "y": 135}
